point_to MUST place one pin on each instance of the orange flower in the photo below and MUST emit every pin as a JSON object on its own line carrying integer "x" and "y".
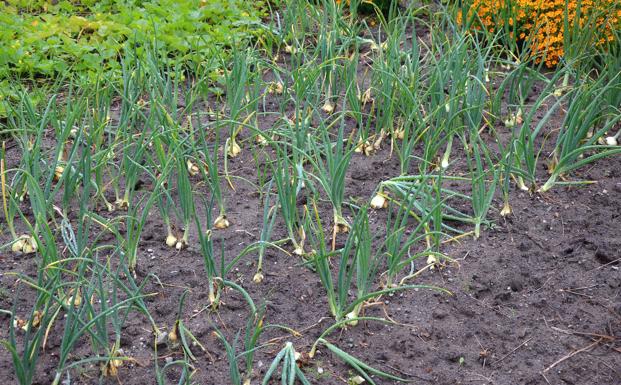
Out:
{"x": 541, "y": 23}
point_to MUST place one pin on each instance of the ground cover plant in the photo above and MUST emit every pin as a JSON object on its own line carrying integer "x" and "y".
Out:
{"x": 310, "y": 192}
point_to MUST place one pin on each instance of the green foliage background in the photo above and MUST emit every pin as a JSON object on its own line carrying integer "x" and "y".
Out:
{"x": 42, "y": 38}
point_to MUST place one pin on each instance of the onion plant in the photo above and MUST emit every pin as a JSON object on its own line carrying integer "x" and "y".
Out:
{"x": 288, "y": 186}
{"x": 358, "y": 267}
{"x": 180, "y": 336}
{"x": 338, "y": 291}
{"x": 36, "y": 174}
{"x": 130, "y": 137}
{"x": 9, "y": 206}
{"x": 401, "y": 239}
{"x": 164, "y": 200}
{"x": 171, "y": 132}
{"x": 80, "y": 321}
{"x": 68, "y": 290}
{"x": 208, "y": 153}
{"x": 446, "y": 87}
{"x": 481, "y": 168}
{"x": 327, "y": 47}
{"x": 269, "y": 218}
{"x": 250, "y": 343}
{"x": 398, "y": 74}
{"x": 98, "y": 136}
{"x": 242, "y": 73}
{"x": 362, "y": 368}
{"x": 216, "y": 267}
{"x": 330, "y": 161}
{"x": 587, "y": 121}
{"x": 205, "y": 238}
{"x": 395, "y": 79}
{"x": 290, "y": 371}
{"x": 25, "y": 357}
{"x": 431, "y": 201}
{"x": 137, "y": 216}
{"x": 304, "y": 95}
{"x": 527, "y": 147}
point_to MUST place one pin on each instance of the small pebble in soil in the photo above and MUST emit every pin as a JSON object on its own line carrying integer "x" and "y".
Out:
{"x": 515, "y": 285}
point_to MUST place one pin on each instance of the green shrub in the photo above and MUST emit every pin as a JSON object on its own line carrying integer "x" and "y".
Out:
{"x": 38, "y": 38}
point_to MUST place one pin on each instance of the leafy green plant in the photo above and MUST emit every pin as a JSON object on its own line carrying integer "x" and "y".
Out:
{"x": 46, "y": 38}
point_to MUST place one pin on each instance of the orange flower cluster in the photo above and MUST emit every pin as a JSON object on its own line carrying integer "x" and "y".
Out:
{"x": 542, "y": 22}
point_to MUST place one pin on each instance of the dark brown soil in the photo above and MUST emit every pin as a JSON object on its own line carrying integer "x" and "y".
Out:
{"x": 535, "y": 300}
{"x": 530, "y": 293}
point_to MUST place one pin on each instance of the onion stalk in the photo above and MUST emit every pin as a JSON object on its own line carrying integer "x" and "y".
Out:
{"x": 269, "y": 218}
{"x": 331, "y": 161}
{"x": 288, "y": 187}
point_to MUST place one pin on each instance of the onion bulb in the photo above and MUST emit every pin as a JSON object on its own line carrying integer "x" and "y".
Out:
{"x": 192, "y": 168}
{"x": 514, "y": 119}
{"x": 366, "y": 97}
{"x": 25, "y": 244}
{"x": 110, "y": 368}
{"x": 171, "y": 240}
{"x": 181, "y": 244}
{"x": 611, "y": 141}
{"x": 445, "y": 162}
{"x": 378, "y": 142}
{"x": 341, "y": 228}
{"x": 19, "y": 323}
{"x": 379, "y": 202}
{"x": 365, "y": 148}
{"x": 173, "y": 336}
{"x": 258, "y": 277}
{"x": 17, "y": 246}
{"x": 122, "y": 204}
{"x": 432, "y": 260}
{"x": 29, "y": 248}
{"x": 261, "y": 141}
{"x": 221, "y": 222}
{"x": 328, "y": 107}
{"x": 350, "y": 316}
{"x": 58, "y": 173}
{"x": 399, "y": 133}
{"x": 71, "y": 298}
{"x": 233, "y": 149}
{"x": 276, "y": 88}
{"x": 36, "y": 318}
{"x": 506, "y": 210}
